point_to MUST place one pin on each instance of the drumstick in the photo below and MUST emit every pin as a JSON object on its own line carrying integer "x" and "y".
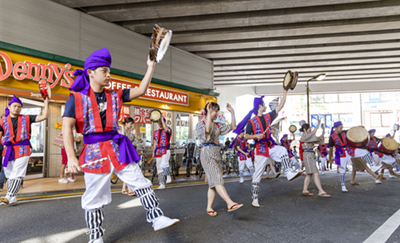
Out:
{"x": 99, "y": 161}
{"x": 94, "y": 162}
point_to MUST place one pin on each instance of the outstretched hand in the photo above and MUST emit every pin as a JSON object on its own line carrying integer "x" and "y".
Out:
{"x": 150, "y": 63}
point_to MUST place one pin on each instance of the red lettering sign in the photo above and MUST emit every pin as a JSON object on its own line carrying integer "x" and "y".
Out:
{"x": 51, "y": 72}
{"x": 125, "y": 112}
{"x": 153, "y": 93}
{"x": 142, "y": 116}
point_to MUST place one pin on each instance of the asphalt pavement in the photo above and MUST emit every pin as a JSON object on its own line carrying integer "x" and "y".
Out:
{"x": 285, "y": 214}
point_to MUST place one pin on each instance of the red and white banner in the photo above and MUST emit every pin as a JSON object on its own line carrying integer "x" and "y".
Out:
{"x": 125, "y": 112}
{"x": 153, "y": 93}
{"x": 142, "y": 116}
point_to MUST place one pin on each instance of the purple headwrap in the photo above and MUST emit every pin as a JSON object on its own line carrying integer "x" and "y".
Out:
{"x": 336, "y": 124}
{"x": 257, "y": 101}
{"x": 388, "y": 135}
{"x": 372, "y": 130}
{"x": 284, "y": 136}
{"x": 13, "y": 100}
{"x": 99, "y": 58}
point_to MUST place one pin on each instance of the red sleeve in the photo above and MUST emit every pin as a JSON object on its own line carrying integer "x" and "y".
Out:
{"x": 79, "y": 112}
{"x": 301, "y": 150}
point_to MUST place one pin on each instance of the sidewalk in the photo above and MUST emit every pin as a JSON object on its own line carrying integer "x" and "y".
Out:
{"x": 49, "y": 186}
{"x": 41, "y": 186}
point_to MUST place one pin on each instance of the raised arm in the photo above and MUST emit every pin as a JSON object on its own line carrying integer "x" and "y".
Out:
{"x": 282, "y": 103}
{"x": 232, "y": 111}
{"x": 165, "y": 126}
{"x": 45, "y": 113}
{"x": 209, "y": 120}
{"x": 316, "y": 128}
{"x": 144, "y": 85}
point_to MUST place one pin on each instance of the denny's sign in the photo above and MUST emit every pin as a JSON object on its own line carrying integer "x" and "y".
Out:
{"x": 54, "y": 73}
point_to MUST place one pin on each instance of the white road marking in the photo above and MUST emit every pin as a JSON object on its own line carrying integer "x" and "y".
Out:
{"x": 130, "y": 204}
{"x": 382, "y": 234}
{"x": 59, "y": 237}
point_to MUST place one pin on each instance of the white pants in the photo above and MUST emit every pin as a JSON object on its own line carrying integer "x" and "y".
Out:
{"x": 163, "y": 161}
{"x": 388, "y": 160}
{"x": 16, "y": 168}
{"x": 323, "y": 160}
{"x": 98, "y": 188}
{"x": 377, "y": 159}
{"x": 358, "y": 153}
{"x": 343, "y": 163}
{"x": 260, "y": 161}
{"x": 246, "y": 162}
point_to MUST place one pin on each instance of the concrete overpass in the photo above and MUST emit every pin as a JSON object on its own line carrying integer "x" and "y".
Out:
{"x": 253, "y": 43}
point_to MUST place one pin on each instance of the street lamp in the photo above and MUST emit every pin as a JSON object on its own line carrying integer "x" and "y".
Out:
{"x": 319, "y": 77}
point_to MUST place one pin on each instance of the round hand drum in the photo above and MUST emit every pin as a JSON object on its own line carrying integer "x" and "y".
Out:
{"x": 290, "y": 80}
{"x": 292, "y": 128}
{"x": 357, "y": 137}
{"x": 155, "y": 115}
{"x": 44, "y": 89}
{"x": 160, "y": 40}
{"x": 388, "y": 145}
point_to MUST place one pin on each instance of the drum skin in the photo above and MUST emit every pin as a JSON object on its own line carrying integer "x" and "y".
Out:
{"x": 155, "y": 115}
{"x": 357, "y": 137}
{"x": 287, "y": 80}
{"x": 388, "y": 145}
{"x": 292, "y": 128}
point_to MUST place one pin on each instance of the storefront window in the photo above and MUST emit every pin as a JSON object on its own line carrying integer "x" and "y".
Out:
{"x": 148, "y": 135}
{"x": 387, "y": 119}
{"x": 331, "y": 98}
{"x": 374, "y": 97}
{"x": 345, "y": 97}
{"x": 375, "y": 120}
{"x": 182, "y": 129}
{"x": 387, "y": 96}
{"x": 317, "y": 98}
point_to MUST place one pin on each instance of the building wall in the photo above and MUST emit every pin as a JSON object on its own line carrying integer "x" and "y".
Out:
{"x": 50, "y": 27}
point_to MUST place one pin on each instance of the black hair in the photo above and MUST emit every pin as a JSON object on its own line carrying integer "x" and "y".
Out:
{"x": 213, "y": 106}
{"x": 304, "y": 127}
{"x": 128, "y": 120}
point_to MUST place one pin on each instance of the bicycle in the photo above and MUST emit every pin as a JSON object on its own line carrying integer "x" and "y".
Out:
{"x": 114, "y": 178}
{"x": 189, "y": 157}
{"x": 173, "y": 163}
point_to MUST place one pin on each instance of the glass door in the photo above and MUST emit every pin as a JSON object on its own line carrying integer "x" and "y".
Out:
{"x": 182, "y": 129}
{"x": 38, "y": 141}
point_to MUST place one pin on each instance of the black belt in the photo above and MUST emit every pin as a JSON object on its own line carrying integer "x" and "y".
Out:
{"x": 308, "y": 150}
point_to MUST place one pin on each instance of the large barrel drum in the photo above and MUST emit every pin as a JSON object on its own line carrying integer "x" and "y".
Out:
{"x": 357, "y": 137}
{"x": 388, "y": 145}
